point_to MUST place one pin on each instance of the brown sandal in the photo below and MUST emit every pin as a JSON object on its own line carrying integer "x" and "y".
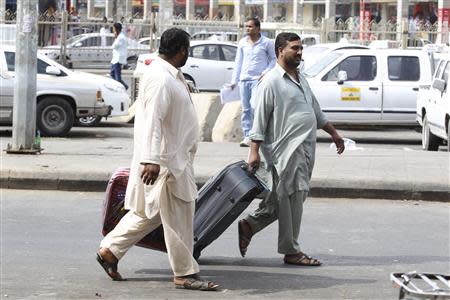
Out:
{"x": 301, "y": 259}
{"x": 110, "y": 268}
{"x": 244, "y": 240}
{"x": 195, "y": 283}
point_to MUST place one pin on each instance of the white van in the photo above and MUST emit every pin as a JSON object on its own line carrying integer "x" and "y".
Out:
{"x": 433, "y": 108}
{"x": 370, "y": 86}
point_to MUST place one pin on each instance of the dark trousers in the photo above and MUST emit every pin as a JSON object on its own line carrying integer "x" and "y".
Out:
{"x": 116, "y": 74}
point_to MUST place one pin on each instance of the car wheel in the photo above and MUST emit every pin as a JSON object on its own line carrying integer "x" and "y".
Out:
{"x": 131, "y": 63}
{"x": 90, "y": 121}
{"x": 54, "y": 116}
{"x": 430, "y": 142}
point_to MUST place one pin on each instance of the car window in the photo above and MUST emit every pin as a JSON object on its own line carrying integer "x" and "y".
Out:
{"x": 446, "y": 73}
{"x": 210, "y": 52}
{"x": 358, "y": 68}
{"x": 93, "y": 41}
{"x": 309, "y": 41}
{"x": 10, "y": 62}
{"x": 322, "y": 64}
{"x": 109, "y": 40}
{"x": 229, "y": 52}
{"x": 439, "y": 69}
{"x": 403, "y": 68}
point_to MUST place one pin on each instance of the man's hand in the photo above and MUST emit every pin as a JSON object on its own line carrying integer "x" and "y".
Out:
{"x": 150, "y": 173}
{"x": 339, "y": 142}
{"x": 254, "y": 160}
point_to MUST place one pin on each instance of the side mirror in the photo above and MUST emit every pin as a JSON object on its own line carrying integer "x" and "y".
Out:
{"x": 52, "y": 70}
{"x": 78, "y": 44}
{"x": 342, "y": 76}
{"x": 439, "y": 84}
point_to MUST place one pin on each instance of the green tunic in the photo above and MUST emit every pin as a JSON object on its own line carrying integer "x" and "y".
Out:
{"x": 286, "y": 119}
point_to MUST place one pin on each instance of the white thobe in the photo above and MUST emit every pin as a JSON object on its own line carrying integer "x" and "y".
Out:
{"x": 165, "y": 133}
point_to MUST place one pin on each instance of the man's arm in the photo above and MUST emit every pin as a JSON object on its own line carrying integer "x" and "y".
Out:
{"x": 237, "y": 66}
{"x": 337, "y": 139}
{"x": 254, "y": 160}
{"x": 271, "y": 57}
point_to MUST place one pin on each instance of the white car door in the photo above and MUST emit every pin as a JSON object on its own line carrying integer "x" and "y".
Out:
{"x": 436, "y": 112}
{"x": 228, "y": 56}
{"x": 356, "y": 99}
{"x": 205, "y": 67}
{"x": 401, "y": 86}
{"x": 6, "y": 87}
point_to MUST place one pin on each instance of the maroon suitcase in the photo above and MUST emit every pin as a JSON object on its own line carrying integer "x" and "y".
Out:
{"x": 114, "y": 210}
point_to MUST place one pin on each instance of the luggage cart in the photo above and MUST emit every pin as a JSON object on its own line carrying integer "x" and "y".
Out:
{"x": 419, "y": 286}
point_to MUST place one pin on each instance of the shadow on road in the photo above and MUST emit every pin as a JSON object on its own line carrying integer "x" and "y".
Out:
{"x": 259, "y": 282}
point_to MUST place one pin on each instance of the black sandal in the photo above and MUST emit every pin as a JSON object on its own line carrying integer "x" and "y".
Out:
{"x": 110, "y": 268}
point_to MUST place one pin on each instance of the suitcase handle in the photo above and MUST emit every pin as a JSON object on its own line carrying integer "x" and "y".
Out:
{"x": 244, "y": 166}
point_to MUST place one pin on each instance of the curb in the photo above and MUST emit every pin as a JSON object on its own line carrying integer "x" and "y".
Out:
{"x": 320, "y": 189}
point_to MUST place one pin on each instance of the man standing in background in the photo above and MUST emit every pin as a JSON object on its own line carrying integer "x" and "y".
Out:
{"x": 254, "y": 58}
{"x": 120, "y": 52}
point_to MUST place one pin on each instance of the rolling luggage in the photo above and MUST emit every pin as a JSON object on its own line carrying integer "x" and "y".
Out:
{"x": 220, "y": 201}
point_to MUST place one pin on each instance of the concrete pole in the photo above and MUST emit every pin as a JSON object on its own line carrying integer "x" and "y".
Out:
{"x": 297, "y": 12}
{"x": 24, "y": 107}
{"x": 128, "y": 13}
{"x": 239, "y": 17}
{"x": 165, "y": 16}
{"x": 443, "y": 21}
{"x": 190, "y": 9}
{"x": 213, "y": 8}
{"x": 267, "y": 11}
{"x": 2, "y": 11}
{"x": 402, "y": 21}
{"x": 109, "y": 10}
{"x": 330, "y": 9}
{"x": 147, "y": 10}
{"x": 90, "y": 9}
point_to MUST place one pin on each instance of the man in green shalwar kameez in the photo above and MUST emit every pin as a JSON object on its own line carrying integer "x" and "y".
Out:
{"x": 286, "y": 119}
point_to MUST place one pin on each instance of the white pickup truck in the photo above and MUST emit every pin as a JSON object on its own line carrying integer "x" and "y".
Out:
{"x": 367, "y": 86}
{"x": 61, "y": 94}
{"x": 433, "y": 108}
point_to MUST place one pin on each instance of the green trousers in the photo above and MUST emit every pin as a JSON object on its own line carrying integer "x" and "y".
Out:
{"x": 287, "y": 210}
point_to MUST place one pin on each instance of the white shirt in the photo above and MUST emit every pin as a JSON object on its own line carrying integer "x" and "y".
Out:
{"x": 165, "y": 133}
{"x": 120, "y": 50}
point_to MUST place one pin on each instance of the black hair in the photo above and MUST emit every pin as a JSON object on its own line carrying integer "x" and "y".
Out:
{"x": 117, "y": 27}
{"x": 283, "y": 38}
{"x": 172, "y": 41}
{"x": 256, "y": 21}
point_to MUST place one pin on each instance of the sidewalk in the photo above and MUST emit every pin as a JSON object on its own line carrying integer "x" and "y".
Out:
{"x": 81, "y": 163}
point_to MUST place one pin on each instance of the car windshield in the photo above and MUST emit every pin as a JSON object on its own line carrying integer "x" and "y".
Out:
{"x": 322, "y": 64}
{"x": 315, "y": 49}
{"x": 74, "y": 39}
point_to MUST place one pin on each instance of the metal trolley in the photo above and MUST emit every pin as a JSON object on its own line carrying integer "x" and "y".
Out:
{"x": 419, "y": 286}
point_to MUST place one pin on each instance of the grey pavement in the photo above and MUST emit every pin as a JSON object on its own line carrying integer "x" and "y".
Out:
{"x": 85, "y": 160}
{"x": 48, "y": 252}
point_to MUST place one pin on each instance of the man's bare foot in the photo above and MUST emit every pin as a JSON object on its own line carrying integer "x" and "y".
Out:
{"x": 194, "y": 282}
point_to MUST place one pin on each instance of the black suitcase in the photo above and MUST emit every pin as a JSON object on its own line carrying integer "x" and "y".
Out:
{"x": 221, "y": 200}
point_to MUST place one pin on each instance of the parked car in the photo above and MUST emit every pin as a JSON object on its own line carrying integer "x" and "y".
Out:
{"x": 209, "y": 66}
{"x": 370, "y": 86}
{"x": 216, "y": 36}
{"x": 61, "y": 94}
{"x": 93, "y": 50}
{"x": 433, "y": 108}
{"x": 314, "y": 53}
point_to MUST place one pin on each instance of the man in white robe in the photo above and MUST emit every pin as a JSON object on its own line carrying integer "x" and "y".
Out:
{"x": 287, "y": 116}
{"x": 161, "y": 188}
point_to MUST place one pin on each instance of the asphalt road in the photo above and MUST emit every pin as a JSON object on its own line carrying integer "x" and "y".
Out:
{"x": 48, "y": 252}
